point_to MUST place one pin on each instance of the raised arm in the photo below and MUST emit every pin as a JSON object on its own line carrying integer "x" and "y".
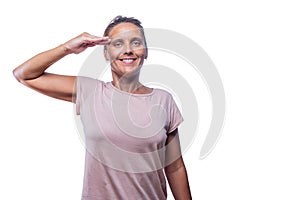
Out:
{"x": 32, "y": 72}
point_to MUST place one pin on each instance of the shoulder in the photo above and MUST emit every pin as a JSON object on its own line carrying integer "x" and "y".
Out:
{"x": 87, "y": 84}
{"x": 86, "y": 80}
{"x": 163, "y": 93}
{"x": 83, "y": 81}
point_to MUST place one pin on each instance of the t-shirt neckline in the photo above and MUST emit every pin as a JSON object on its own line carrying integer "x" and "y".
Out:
{"x": 127, "y": 93}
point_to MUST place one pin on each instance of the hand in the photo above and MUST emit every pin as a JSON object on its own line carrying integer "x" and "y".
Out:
{"x": 83, "y": 41}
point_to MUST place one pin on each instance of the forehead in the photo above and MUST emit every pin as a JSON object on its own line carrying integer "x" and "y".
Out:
{"x": 125, "y": 30}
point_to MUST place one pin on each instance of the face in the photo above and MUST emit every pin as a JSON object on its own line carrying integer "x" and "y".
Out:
{"x": 126, "y": 51}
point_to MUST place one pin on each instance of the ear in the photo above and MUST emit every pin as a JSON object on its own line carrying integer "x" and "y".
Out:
{"x": 146, "y": 53}
{"x": 105, "y": 53}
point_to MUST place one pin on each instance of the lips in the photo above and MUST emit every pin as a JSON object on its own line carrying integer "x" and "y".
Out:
{"x": 127, "y": 61}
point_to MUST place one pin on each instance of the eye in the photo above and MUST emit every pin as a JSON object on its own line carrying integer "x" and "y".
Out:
{"x": 136, "y": 43}
{"x": 117, "y": 44}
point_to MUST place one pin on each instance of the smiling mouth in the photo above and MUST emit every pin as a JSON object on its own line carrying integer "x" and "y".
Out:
{"x": 128, "y": 60}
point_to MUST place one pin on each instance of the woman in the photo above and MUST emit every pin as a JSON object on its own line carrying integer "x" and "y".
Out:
{"x": 126, "y": 155}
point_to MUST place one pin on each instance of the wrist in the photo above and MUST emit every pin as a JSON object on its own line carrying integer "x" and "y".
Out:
{"x": 65, "y": 49}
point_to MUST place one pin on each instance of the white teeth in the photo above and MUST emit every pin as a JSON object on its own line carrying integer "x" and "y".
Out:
{"x": 127, "y": 60}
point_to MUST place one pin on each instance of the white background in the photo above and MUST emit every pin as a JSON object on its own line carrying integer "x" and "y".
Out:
{"x": 255, "y": 47}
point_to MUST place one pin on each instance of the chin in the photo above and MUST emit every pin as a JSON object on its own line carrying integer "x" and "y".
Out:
{"x": 131, "y": 72}
{"x": 126, "y": 69}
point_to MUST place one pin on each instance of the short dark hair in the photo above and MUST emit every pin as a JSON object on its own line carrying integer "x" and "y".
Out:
{"x": 122, "y": 19}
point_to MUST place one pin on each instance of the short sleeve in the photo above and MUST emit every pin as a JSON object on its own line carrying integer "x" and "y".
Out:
{"x": 174, "y": 115}
{"x": 85, "y": 88}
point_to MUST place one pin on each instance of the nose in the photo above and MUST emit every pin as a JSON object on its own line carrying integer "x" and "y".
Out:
{"x": 127, "y": 49}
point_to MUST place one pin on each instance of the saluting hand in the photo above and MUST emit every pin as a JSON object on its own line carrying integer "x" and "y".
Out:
{"x": 83, "y": 41}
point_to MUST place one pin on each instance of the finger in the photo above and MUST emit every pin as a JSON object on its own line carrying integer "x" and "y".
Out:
{"x": 87, "y": 35}
{"x": 102, "y": 41}
{"x": 99, "y": 40}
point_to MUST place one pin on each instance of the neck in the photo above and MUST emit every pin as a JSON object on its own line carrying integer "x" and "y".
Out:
{"x": 126, "y": 84}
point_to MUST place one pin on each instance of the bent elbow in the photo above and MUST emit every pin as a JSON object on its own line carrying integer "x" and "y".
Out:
{"x": 17, "y": 74}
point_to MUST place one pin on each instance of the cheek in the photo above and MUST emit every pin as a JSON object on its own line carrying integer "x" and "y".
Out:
{"x": 113, "y": 54}
{"x": 140, "y": 51}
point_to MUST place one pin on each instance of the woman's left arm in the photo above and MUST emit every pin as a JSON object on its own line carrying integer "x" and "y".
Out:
{"x": 175, "y": 169}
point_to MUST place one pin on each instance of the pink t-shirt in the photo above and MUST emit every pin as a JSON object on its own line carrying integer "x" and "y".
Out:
{"x": 125, "y": 136}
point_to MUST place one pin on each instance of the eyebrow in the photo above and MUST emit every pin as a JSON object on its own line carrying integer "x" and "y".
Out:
{"x": 116, "y": 40}
{"x": 136, "y": 38}
{"x": 131, "y": 39}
